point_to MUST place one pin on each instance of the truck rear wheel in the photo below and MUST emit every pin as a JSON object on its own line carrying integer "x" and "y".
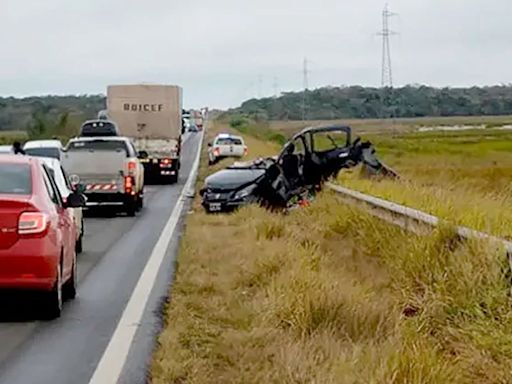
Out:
{"x": 130, "y": 208}
{"x": 140, "y": 202}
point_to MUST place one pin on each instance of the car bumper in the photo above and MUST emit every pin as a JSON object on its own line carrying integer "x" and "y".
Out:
{"x": 29, "y": 264}
{"x": 230, "y": 205}
{"x": 95, "y": 199}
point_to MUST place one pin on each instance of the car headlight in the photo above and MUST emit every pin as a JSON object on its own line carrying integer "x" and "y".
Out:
{"x": 247, "y": 191}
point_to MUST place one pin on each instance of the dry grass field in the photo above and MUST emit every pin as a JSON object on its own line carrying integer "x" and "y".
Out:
{"x": 395, "y": 125}
{"x": 328, "y": 294}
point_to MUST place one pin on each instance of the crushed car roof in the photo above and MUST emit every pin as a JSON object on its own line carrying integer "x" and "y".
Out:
{"x": 327, "y": 128}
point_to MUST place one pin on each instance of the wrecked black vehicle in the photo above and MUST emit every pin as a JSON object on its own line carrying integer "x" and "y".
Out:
{"x": 308, "y": 159}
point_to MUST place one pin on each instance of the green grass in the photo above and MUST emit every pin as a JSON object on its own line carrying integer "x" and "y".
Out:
{"x": 395, "y": 125}
{"x": 464, "y": 177}
{"x": 8, "y": 137}
{"x": 261, "y": 131}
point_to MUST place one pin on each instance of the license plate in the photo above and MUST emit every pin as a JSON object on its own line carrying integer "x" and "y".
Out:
{"x": 144, "y": 161}
{"x": 215, "y": 207}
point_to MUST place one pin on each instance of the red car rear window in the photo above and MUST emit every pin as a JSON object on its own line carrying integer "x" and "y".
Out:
{"x": 15, "y": 179}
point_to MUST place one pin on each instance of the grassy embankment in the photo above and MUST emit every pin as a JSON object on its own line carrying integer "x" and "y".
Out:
{"x": 330, "y": 295}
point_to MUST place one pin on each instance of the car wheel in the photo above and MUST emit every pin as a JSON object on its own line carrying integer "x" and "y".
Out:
{"x": 140, "y": 203}
{"x": 130, "y": 208}
{"x": 53, "y": 302}
{"x": 70, "y": 286}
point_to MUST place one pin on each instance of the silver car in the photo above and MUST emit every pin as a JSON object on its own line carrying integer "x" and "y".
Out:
{"x": 6, "y": 150}
{"x": 65, "y": 189}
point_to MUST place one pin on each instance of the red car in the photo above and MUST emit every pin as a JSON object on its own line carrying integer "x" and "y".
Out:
{"x": 37, "y": 232}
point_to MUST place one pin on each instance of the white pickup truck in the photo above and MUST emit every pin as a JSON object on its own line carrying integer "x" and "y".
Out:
{"x": 109, "y": 169}
{"x": 226, "y": 145}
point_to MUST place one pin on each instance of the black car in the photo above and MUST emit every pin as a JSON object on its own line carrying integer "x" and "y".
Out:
{"x": 306, "y": 160}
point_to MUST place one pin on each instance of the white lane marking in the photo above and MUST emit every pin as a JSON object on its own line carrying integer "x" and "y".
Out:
{"x": 187, "y": 136}
{"x": 112, "y": 362}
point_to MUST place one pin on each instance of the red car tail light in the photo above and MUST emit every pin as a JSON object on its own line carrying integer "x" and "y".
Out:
{"x": 128, "y": 184}
{"x": 31, "y": 223}
{"x": 132, "y": 167}
{"x": 165, "y": 163}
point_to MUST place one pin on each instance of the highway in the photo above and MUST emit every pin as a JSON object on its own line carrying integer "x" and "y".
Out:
{"x": 117, "y": 251}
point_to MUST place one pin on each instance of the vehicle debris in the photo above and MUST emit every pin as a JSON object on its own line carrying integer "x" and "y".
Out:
{"x": 292, "y": 178}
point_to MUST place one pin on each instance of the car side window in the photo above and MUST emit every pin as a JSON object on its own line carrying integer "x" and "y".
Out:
{"x": 51, "y": 186}
{"x": 329, "y": 140}
{"x": 48, "y": 185}
{"x": 132, "y": 152}
{"x": 300, "y": 149}
{"x": 66, "y": 179}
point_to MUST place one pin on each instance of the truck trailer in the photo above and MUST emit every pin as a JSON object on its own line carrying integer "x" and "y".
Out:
{"x": 152, "y": 116}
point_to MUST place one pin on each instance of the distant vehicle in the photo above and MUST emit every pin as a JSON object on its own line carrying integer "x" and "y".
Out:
{"x": 99, "y": 128}
{"x": 43, "y": 148}
{"x": 197, "y": 119}
{"x": 66, "y": 189}
{"x": 6, "y": 149}
{"x": 193, "y": 128}
{"x": 226, "y": 145}
{"x": 109, "y": 169}
{"x": 151, "y": 115}
{"x": 37, "y": 233}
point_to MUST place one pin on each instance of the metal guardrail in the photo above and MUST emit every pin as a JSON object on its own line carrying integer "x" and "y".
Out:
{"x": 412, "y": 219}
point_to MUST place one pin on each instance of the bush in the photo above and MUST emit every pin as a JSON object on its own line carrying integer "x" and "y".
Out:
{"x": 238, "y": 121}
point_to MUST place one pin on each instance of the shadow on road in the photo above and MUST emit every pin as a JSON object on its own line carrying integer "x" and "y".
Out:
{"x": 106, "y": 212}
{"x": 20, "y": 307}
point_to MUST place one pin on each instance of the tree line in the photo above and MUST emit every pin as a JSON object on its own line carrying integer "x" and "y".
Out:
{"x": 48, "y": 116}
{"x": 367, "y": 102}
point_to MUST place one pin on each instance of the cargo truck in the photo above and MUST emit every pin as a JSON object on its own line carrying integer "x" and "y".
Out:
{"x": 152, "y": 116}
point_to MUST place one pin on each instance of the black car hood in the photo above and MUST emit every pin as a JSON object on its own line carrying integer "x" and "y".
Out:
{"x": 233, "y": 178}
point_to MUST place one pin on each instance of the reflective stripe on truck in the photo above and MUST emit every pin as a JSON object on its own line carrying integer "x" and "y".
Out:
{"x": 101, "y": 187}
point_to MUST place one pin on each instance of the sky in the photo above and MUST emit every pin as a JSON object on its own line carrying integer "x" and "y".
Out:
{"x": 225, "y": 51}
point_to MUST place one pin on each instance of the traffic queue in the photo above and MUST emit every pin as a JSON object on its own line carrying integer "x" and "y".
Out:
{"x": 45, "y": 186}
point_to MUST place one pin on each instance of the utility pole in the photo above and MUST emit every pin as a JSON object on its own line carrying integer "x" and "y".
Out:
{"x": 260, "y": 82}
{"x": 276, "y": 87}
{"x": 387, "y": 71}
{"x": 305, "y": 85}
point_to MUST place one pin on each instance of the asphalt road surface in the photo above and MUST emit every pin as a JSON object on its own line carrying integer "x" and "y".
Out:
{"x": 116, "y": 251}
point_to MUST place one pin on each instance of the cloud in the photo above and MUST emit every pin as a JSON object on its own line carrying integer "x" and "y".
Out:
{"x": 218, "y": 49}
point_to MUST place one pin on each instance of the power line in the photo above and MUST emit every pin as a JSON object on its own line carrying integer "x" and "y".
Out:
{"x": 387, "y": 71}
{"x": 275, "y": 85}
